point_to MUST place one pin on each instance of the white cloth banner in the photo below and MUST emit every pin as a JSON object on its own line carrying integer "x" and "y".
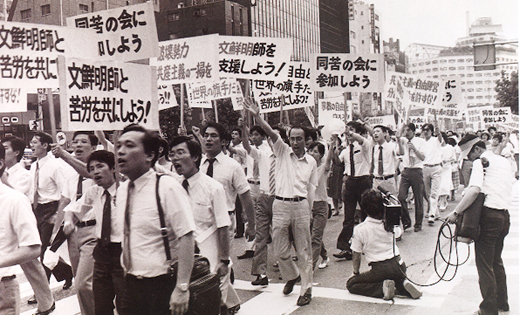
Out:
{"x": 13, "y": 100}
{"x": 334, "y": 108}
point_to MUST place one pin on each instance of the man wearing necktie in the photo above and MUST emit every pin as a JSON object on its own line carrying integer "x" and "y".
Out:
{"x": 209, "y": 206}
{"x": 149, "y": 289}
{"x": 384, "y": 160}
{"x": 411, "y": 148}
{"x": 357, "y": 158}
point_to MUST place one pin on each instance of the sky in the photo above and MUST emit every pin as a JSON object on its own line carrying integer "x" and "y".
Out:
{"x": 441, "y": 22}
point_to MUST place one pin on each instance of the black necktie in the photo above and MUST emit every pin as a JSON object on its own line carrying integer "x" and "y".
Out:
{"x": 380, "y": 160}
{"x": 79, "y": 189}
{"x": 107, "y": 218}
{"x": 185, "y": 184}
{"x": 209, "y": 172}
{"x": 352, "y": 168}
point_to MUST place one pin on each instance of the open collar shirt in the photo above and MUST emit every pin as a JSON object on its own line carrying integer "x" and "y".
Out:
{"x": 147, "y": 250}
{"x": 209, "y": 205}
{"x": 432, "y": 150}
{"x": 263, "y": 155}
{"x": 293, "y": 174}
{"x": 51, "y": 180}
{"x": 230, "y": 174}
{"x": 419, "y": 144}
{"x": 71, "y": 179}
{"x": 17, "y": 224}
{"x": 19, "y": 178}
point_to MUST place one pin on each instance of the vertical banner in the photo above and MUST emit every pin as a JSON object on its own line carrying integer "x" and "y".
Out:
{"x": 254, "y": 57}
{"x": 167, "y": 97}
{"x": 13, "y": 100}
{"x": 123, "y": 34}
{"x": 347, "y": 72}
{"x": 334, "y": 108}
{"x": 106, "y": 95}
{"x": 295, "y": 91}
{"x": 29, "y": 52}
{"x": 394, "y": 95}
{"x": 453, "y": 104}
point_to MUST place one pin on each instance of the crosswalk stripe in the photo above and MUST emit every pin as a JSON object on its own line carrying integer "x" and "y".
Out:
{"x": 66, "y": 306}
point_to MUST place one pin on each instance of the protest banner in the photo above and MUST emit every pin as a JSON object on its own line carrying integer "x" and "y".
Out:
{"x": 200, "y": 94}
{"x": 295, "y": 90}
{"x": 123, "y": 34}
{"x": 513, "y": 124}
{"x": 254, "y": 57}
{"x": 186, "y": 60}
{"x": 419, "y": 92}
{"x": 453, "y": 104}
{"x": 495, "y": 116}
{"x": 473, "y": 117}
{"x": 347, "y": 72}
{"x": 29, "y": 53}
{"x": 387, "y": 121}
{"x": 394, "y": 95}
{"x": 419, "y": 121}
{"x": 13, "y": 100}
{"x": 167, "y": 97}
{"x": 334, "y": 108}
{"x": 106, "y": 95}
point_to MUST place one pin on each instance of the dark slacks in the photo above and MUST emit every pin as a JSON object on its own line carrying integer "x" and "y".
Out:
{"x": 109, "y": 279}
{"x": 494, "y": 226}
{"x": 45, "y": 216}
{"x": 147, "y": 296}
{"x": 354, "y": 187}
{"x": 370, "y": 283}
{"x": 412, "y": 177}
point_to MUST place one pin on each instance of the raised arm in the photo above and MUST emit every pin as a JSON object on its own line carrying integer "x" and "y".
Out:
{"x": 252, "y": 107}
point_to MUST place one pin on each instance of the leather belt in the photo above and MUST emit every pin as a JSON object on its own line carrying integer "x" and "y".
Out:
{"x": 290, "y": 199}
{"x": 433, "y": 165}
{"x": 384, "y": 177}
{"x": 7, "y": 278}
{"x": 356, "y": 177}
{"x": 253, "y": 182}
{"x": 86, "y": 223}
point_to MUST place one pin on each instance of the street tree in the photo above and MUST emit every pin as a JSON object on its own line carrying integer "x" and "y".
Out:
{"x": 507, "y": 91}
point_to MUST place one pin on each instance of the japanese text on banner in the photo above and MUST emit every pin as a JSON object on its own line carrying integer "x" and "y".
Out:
{"x": 494, "y": 116}
{"x": 13, "y": 100}
{"x": 202, "y": 92}
{"x": 452, "y": 104}
{"x": 347, "y": 72}
{"x": 187, "y": 60}
{"x": 387, "y": 121}
{"x": 106, "y": 95}
{"x": 295, "y": 90}
{"x": 394, "y": 94}
{"x": 28, "y": 53}
{"x": 254, "y": 57}
{"x": 334, "y": 108}
{"x": 167, "y": 97}
{"x": 123, "y": 34}
{"x": 419, "y": 92}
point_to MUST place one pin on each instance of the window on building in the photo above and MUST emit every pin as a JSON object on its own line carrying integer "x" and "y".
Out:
{"x": 487, "y": 96}
{"x": 421, "y": 71}
{"x": 478, "y": 82}
{"x": 83, "y": 7}
{"x": 462, "y": 75}
{"x": 469, "y": 60}
{"x": 444, "y": 68}
{"x": 452, "y": 60}
{"x": 460, "y": 60}
{"x": 443, "y": 76}
{"x": 25, "y": 14}
{"x": 479, "y": 97}
{"x": 487, "y": 74}
{"x": 361, "y": 13}
{"x": 463, "y": 90}
{"x": 478, "y": 74}
{"x": 362, "y": 41}
{"x": 453, "y": 68}
{"x": 428, "y": 70}
{"x": 480, "y": 89}
{"x": 352, "y": 34}
{"x": 427, "y": 62}
{"x": 173, "y": 16}
{"x": 414, "y": 72}
{"x": 421, "y": 63}
{"x": 470, "y": 82}
{"x": 414, "y": 65}
{"x": 435, "y": 76}
{"x": 435, "y": 69}
{"x": 462, "y": 82}
{"x": 471, "y": 90}
{"x": 471, "y": 97}
{"x": 443, "y": 61}
{"x": 362, "y": 27}
{"x": 470, "y": 75}
{"x": 46, "y": 9}
{"x": 434, "y": 62}
{"x": 461, "y": 68}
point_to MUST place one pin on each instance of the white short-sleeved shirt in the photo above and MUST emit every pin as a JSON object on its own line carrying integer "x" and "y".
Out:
{"x": 72, "y": 178}
{"x": 93, "y": 201}
{"x": 293, "y": 174}
{"x": 495, "y": 182}
{"x": 321, "y": 189}
{"x": 389, "y": 158}
{"x": 19, "y": 178}
{"x": 263, "y": 155}
{"x": 362, "y": 158}
{"x": 418, "y": 143}
{"x": 432, "y": 151}
{"x": 17, "y": 224}
{"x": 51, "y": 180}
{"x": 230, "y": 174}
{"x": 146, "y": 244}
{"x": 371, "y": 239}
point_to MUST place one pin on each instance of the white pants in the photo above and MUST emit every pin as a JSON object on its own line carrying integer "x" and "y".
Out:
{"x": 432, "y": 186}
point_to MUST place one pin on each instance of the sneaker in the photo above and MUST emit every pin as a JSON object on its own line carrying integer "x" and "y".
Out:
{"x": 388, "y": 289}
{"x": 410, "y": 288}
{"x": 324, "y": 263}
{"x": 261, "y": 280}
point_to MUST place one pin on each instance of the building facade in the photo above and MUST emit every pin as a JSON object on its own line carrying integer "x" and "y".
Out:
{"x": 334, "y": 26}
{"x": 364, "y": 28}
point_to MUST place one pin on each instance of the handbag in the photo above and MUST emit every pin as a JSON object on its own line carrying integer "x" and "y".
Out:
{"x": 467, "y": 225}
{"x": 204, "y": 286}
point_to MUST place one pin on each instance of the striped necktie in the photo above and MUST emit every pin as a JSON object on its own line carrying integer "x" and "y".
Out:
{"x": 126, "y": 244}
{"x": 35, "y": 187}
{"x": 272, "y": 182}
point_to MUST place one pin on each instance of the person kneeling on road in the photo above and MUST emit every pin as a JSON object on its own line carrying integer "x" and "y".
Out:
{"x": 387, "y": 275}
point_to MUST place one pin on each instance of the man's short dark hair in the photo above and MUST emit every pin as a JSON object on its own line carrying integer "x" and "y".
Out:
{"x": 163, "y": 144}
{"x": 383, "y": 128}
{"x": 283, "y": 133}
{"x": 102, "y": 156}
{"x": 310, "y": 133}
{"x": 222, "y": 133}
{"x": 492, "y": 128}
{"x": 44, "y": 138}
{"x": 372, "y": 203}
{"x": 150, "y": 141}
{"x": 427, "y": 127}
{"x": 91, "y": 136}
{"x": 321, "y": 147}
{"x": 18, "y": 145}
{"x": 411, "y": 126}
{"x": 258, "y": 129}
{"x": 498, "y": 137}
{"x": 193, "y": 147}
{"x": 358, "y": 127}
{"x": 237, "y": 129}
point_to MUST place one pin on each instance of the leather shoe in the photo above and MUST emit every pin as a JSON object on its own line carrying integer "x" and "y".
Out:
{"x": 50, "y": 310}
{"x": 32, "y": 300}
{"x": 247, "y": 254}
{"x": 287, "y": 289}
{"x": 68, "y": 284}
{"x": 406, "y": 226}
{"x": 343, "y": 254}
{"x": 304, "y": 299}
{"x": 261, "y": 281}
{"x": 417, "y": 229}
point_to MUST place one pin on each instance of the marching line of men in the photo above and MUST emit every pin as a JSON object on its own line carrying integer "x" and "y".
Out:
{"x": 114, "y": 237}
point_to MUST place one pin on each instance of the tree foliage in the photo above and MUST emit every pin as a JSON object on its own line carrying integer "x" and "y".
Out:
{"x": 507, "y": 91}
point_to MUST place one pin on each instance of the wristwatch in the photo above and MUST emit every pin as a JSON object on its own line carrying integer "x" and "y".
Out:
{"x": 183, "y": 287}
